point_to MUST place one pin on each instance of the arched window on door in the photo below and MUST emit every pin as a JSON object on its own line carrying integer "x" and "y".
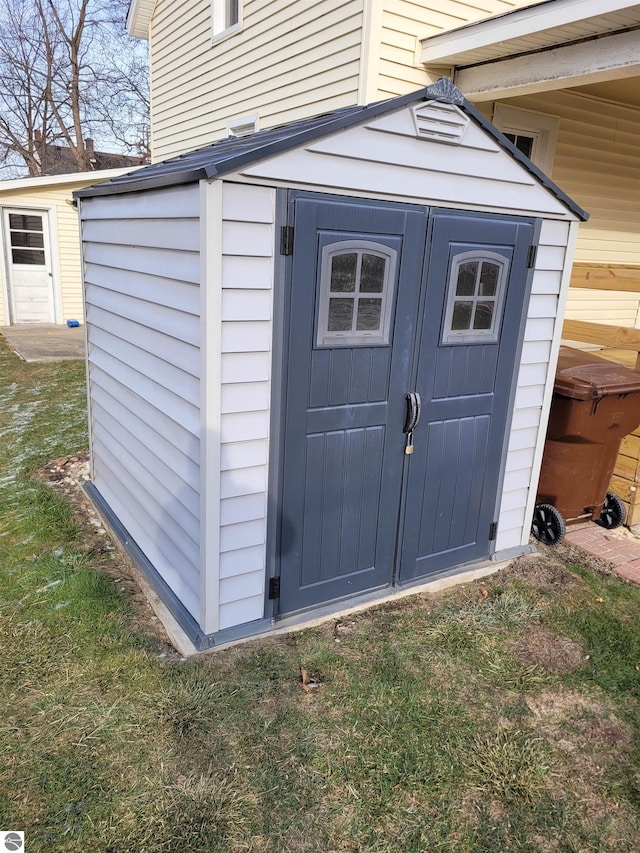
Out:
{"x": 357, "y": 281}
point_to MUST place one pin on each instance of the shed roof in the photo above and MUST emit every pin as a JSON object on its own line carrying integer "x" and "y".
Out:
{"x": 229, "y": 155}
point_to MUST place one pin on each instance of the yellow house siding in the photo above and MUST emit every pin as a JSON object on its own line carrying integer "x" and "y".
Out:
{"x": 289, "y": 61}
{"x": 404, "y": 22}
{"x": 65, "y": 241}
{"x": 596, "y": 163}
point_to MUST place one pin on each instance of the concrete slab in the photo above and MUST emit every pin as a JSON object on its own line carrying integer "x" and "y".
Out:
{"x": 44, "y": 341}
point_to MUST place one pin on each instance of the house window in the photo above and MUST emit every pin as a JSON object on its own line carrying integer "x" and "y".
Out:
{"x": 226, "y": 17}
{"x": 26, "y": 236}
{"x": 523, "y": 142}
{"x": 474, "y": 301}
{"x": 357, "y": 280}
{"x": 532, "y": 133}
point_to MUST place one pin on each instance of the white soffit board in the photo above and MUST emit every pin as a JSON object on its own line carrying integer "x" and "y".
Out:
{"x": 543, "y": 25}
{"x": 139, "y": 18}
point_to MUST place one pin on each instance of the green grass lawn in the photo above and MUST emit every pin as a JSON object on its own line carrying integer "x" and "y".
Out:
{"x": 499, "y": 716}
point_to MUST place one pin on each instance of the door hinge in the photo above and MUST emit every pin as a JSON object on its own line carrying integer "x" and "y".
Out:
{"x": 531, "y": 256}
{"x": 286, "y": 240}
{"x": 274, "y": 588}
{"x": 493, "y": 531}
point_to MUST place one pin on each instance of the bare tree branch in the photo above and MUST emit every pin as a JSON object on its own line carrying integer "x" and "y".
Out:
{"x": 69, "y": 72}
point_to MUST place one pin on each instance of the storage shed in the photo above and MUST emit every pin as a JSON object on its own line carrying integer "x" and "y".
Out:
{"x": 321, "y": 358}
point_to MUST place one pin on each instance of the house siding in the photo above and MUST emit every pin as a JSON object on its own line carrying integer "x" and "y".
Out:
{"x": 403, "y": 23}
{"x": 198, "y": 86}
{"x": 596, "y": 163}
{"x": 142, "y": 272}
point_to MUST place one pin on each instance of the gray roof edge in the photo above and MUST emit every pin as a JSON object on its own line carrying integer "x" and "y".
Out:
{"x": 333, "y": 123}
{"x": 140, "y": 184}
{"x": 544, "y": 179}
{"x": 444, "y": 90}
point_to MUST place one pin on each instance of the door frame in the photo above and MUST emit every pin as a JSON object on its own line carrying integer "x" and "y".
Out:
{"x": 48, "y": 214}
{"x": 282, "y": 280}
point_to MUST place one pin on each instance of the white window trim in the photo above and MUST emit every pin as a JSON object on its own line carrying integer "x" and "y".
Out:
{"x": 238, "y": 126}
{"x": 219, "y": 30}
{"x": 475, "y": 336}
{"x": 543, "y": 129}
{"x": 325, "y": 338}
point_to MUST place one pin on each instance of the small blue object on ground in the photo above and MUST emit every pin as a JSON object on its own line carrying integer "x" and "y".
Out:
{"x": 72, "y": 323}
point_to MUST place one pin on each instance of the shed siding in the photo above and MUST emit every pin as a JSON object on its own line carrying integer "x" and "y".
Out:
{"x": 596, "y": 163}
{"x": 402, "y": 169}
{"x": 65, "y": 239}
{"x": 248, "y": 240}
{"x": 198, "y": 86}
{"x": 513, "y": 528}
{"x": 142, "y": 295}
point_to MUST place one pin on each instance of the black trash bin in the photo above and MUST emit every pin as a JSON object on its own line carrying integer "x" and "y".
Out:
{"x": 596, "y": 403}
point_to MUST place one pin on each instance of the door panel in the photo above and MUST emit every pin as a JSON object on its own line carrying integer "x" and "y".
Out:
{"x": 453, "y": 474}
{"x": 344, "y": 411}
{"x": 29, "y": 266}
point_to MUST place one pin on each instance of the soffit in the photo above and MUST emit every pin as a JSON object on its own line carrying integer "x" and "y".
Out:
{"x": 139, "y": 18}
{"x": 625, "y": 91}
{"x": 530, "y": 29}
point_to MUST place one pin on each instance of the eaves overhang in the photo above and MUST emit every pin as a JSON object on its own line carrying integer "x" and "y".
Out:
{"x": 69, "y": 178}
{"x": 542, "y": 26}
{"x": 139, "y": 18}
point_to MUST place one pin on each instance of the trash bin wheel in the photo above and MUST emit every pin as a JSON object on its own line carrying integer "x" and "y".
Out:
{"x": 548, "y": 525}
{"x": 613, "y": 512}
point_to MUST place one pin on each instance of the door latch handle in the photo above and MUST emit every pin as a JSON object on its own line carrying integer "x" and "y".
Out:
{"x": 414, "y": 409}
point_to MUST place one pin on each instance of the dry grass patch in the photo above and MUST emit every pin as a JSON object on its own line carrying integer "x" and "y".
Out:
{"x": 539, "y": 646}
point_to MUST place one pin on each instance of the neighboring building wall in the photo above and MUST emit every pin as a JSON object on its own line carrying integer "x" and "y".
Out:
{"x": 248, "y": 240}
{"x": 65, "y": 242}
{"x": 142, "y": 274}
{"x": 289, "y": 61}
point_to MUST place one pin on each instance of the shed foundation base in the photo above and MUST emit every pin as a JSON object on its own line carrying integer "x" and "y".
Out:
{"x": 187, "y": 637}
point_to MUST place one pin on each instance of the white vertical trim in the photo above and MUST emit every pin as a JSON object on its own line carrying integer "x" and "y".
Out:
{"x": 551, "y": 375}
{"x": 370, "y": 43}
{"x": 87, "y": 364}
{"x": 210, "y": 392}
{"x": 56, "y": 273}
{"x": 4, "y": 260}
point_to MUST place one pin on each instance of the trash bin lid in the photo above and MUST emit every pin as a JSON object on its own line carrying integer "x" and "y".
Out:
{"x": 583, "y": 376}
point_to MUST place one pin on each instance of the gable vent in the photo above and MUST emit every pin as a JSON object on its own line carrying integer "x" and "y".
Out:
{"x": 440, "y": 122}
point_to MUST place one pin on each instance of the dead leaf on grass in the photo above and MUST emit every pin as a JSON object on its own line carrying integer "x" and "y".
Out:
{"x": 309, "y": 682}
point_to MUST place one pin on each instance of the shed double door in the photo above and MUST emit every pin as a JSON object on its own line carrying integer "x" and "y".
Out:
{"x": 394, "y": 312}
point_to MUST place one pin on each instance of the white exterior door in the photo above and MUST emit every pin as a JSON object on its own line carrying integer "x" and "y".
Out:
{"x": 28, "y": 253}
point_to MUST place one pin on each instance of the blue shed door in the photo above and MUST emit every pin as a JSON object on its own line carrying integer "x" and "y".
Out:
{"x": 385, "y": 301}
{"x": 471, "y": 331}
